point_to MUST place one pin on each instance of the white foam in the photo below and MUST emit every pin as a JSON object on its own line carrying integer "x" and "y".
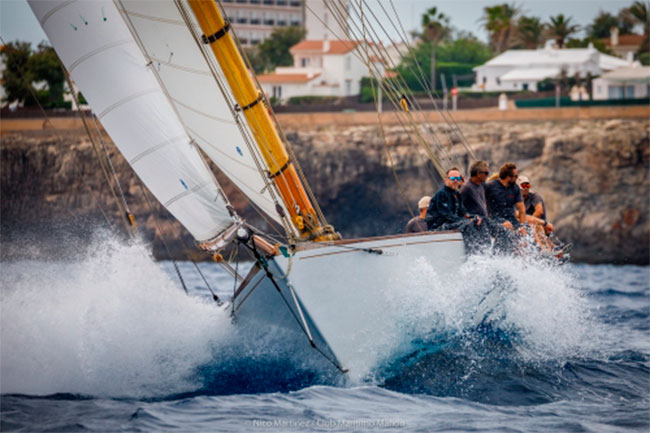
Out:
{"x": 111, "y": 324}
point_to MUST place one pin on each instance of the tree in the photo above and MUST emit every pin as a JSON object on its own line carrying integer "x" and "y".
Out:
{"x": 601, "y": 26}
{"x": 274, "y": 51}
{"x": 560, "y": 28}
{"x": 25, "y": 67}
{"x": 435, "y": 27}
{"x": 17, "y": 77}
{"x": 638, "y": 14}
{"x": 45, "y": 66}
{"x": 530, "y": 32}
{"x": 499, "y": 21}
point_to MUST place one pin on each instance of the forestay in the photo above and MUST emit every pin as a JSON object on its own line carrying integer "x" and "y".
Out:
{"x": 104, "y": 60}
{"x": 202, "y": 104}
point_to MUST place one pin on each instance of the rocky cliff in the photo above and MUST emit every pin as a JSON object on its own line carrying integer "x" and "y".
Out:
{"x": 593, "y": 175}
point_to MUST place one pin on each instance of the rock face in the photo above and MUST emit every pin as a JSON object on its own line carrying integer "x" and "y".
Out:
{"x": 593, "y": 175}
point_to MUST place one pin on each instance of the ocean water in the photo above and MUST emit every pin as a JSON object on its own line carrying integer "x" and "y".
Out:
{"x": 108, "y": 341}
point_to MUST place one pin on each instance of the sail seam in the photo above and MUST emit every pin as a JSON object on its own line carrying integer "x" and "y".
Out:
{"x": 55, "y": 10}
{"x": 127, "y": 99}
{"x": 207, "y": 143}
{"x": 185, "y": 193}
{"x": 152, "y": 18}
{"x": 97, "y": 51}
{"x": 182, "y": 68}
{"x": 141, "y": 155}
{"x": 209, "y": 116}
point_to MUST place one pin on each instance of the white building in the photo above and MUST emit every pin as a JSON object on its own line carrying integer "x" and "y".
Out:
{"x": 632, "y": 82}
{"x": 255, "y": 20}
{"x": 321, "y": 68}
{"x": 515, "y": 70}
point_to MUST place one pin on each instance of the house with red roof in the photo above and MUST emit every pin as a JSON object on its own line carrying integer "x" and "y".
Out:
{"x": 320, "y": 68}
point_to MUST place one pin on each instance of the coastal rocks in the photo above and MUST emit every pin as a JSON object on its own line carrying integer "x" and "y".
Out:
{"x": 593, "y": 175}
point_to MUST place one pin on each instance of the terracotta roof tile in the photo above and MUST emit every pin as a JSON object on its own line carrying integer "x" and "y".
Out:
{"x": 286, "y": 78}
{"x": 630, "y": 39}
{"x": 336, "y": 47}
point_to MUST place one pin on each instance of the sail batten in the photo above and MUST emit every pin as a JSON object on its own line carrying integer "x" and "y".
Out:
{"x": 106, "y": 63}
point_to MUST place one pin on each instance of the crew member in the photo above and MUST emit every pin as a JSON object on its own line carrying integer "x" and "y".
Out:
{"x": 503, "y": 196}
{"x": 446, "y": 212}
{"x": 534, "y": 205}
{"x": 417, "y": 223}
{"x": 473, "y": 192}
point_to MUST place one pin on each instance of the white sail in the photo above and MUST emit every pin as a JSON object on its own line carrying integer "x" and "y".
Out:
{"x": 105, "y": 61}
{"x": 198, "y": 99}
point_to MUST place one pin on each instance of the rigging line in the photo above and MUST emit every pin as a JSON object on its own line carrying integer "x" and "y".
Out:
{"x": 383, "y": 135}
{"x": 243, "y": 131}
{"x": 435, "y": 158}
{"x": 457, "y": 128}
{"x": 121, "y": 205}
{"x": 403, "y": 89}
{"x": 162, "y": 238}
{"x": 214, "y": 295}
{"x": 269, "y": 275}
{"x": 415, "y": 130}
{"x": 110, "y": 163}
{"x": 398, "y": 112}
{"x": 57, "y": 135}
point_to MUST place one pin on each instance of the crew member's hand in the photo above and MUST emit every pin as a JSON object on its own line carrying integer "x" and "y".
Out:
{"x": 508, "y": 225}
{"x": 549, "y": 228}
{"x": 478, "y": 220}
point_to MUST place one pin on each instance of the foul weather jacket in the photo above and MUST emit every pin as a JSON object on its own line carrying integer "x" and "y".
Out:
{"x": 445, "y": 207}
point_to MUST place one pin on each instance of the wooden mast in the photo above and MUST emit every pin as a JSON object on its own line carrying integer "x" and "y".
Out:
{"x": 216, "y": 33}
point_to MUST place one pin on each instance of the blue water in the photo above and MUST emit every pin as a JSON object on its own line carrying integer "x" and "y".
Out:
{"x": 107, "y": 341}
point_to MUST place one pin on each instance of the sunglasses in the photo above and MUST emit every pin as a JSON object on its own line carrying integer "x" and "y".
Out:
{"x": 484, "y": 172}
{"x": 455, "y": 178}
{"x": 525, "y": 185}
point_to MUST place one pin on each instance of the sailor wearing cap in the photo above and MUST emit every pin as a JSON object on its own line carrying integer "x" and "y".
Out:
{"x": 417, "y": 223}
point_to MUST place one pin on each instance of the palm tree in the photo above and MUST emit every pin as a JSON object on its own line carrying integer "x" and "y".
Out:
{"x": 435, "y": 27}
{"x": 560, "y": 28}
{"x": 499, "y": 21}
{"x": 639, "y": 12}
{"x": 530, "y": 32}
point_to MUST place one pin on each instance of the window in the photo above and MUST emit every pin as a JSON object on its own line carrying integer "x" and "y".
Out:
{"x": 268, "y": 2}
{"x": 242, "y": 20}
{"x": 255, "y": 41}
{"x": 304, "y": 62}
{"x": 498, "y": 80}
{"x": 525, "y": 86}
{"x": 281, "y": 22}
{"x": 255, "y": 2}
{"x": 629, "y": 92}
{"x": 295, "y": 23}
{"x": 615, "y": 92}
{"x": 277, "y": 92}
{"x": 348, "y": 63}
{"x": 296, "y": 4}
{"x": 281, "y": 2}
{"x": 255, "y": 21}
{"x": 348, "y": 87}
{"x": 269, "y": 22}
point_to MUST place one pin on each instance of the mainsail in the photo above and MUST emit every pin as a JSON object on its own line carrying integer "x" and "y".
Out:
{"x": 105, "y": 61}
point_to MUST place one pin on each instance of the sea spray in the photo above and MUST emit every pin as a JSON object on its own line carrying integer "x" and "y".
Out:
{"x": 112, "y": 324}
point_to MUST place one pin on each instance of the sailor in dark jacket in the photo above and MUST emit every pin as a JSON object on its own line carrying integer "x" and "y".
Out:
{"x": 446, "y": 211}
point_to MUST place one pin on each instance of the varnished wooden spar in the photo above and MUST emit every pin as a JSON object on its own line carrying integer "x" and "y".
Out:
{"x": 217, "y": 33}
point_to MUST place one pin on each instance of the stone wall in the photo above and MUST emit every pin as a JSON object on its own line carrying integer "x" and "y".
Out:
{"x": 593, "y": 175}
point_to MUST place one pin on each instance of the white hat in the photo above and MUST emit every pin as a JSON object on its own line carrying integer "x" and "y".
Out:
{"x": 522, "y": 179}
{"x": 424, "y": 202}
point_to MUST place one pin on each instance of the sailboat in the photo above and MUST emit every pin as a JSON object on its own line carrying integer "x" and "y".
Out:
{"x": 170, "y": 87}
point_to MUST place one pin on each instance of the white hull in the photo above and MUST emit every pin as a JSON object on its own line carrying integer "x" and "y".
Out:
{"x": 342, "y": 295}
